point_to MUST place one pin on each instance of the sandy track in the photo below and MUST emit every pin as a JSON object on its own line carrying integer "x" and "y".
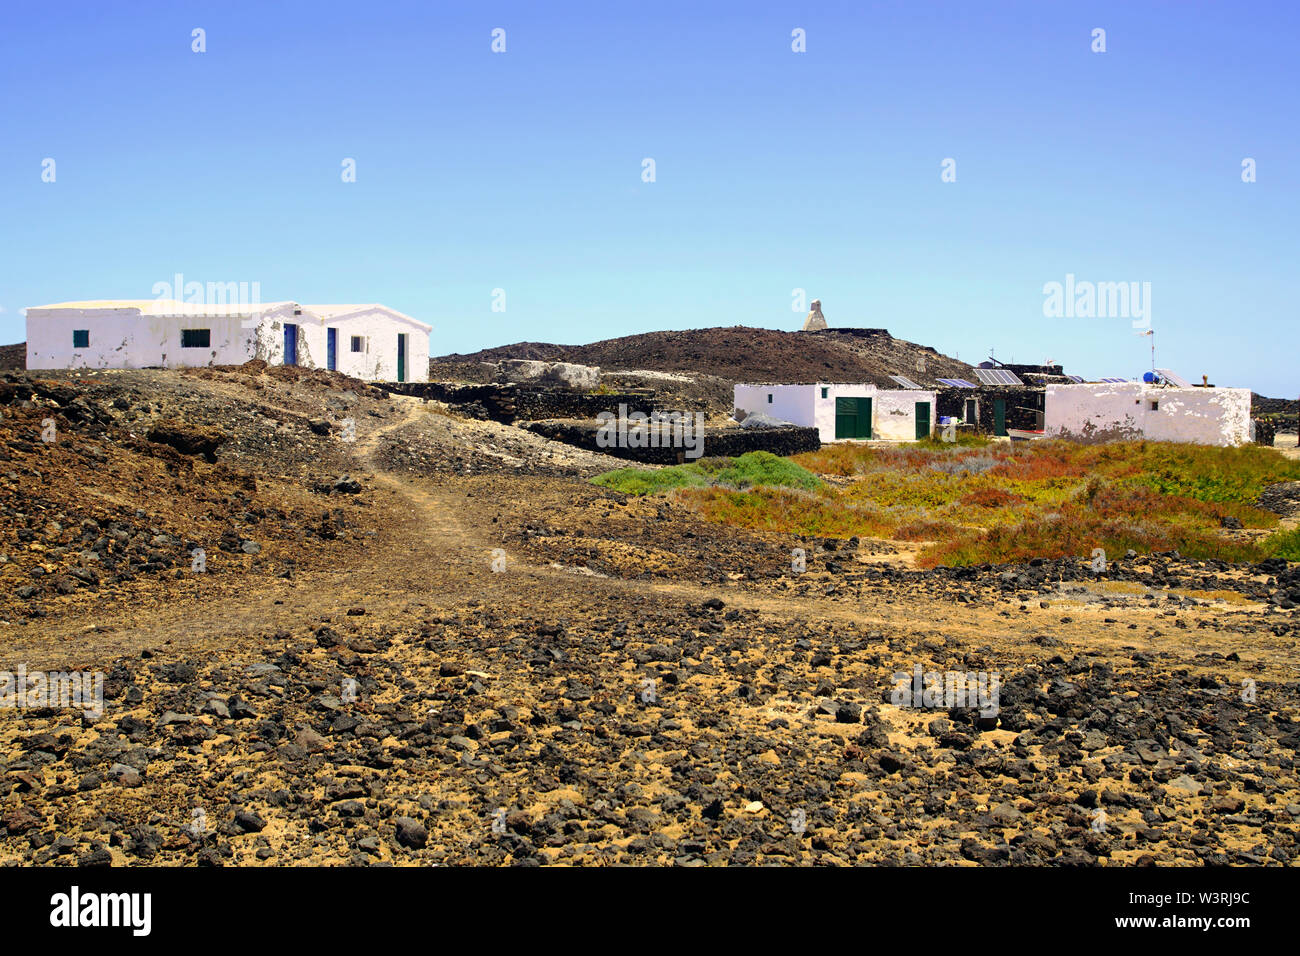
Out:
{"x": 435, "y": 548}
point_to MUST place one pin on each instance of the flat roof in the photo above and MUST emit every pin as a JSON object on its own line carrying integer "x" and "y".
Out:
{"x": 892, "y": 387}
{"x": 338, "y": 310}
{"x": 164, "y": 306}
{"x": 173, "y": 307}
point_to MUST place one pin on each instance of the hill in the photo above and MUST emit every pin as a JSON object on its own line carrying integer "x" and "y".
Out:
{"x": 744, "y": 354}
{"x": 13, "y": 356}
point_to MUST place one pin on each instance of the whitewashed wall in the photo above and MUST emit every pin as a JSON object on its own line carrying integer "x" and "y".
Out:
{"x": 893, "y": 411}
{"x": 824, "y": 415}
{"x": 380, "y": 362}
{"x": 125, "y": 338}
{"x": 1118, "y": 411}
{"x": 790, "y": 403}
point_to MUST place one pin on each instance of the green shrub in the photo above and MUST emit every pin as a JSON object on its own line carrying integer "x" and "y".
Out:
{"x": 761, "y": 468}
{"x": 751, "y": 470}
{"x": 1284, "y": 544}
{"x": 646, "y": 481}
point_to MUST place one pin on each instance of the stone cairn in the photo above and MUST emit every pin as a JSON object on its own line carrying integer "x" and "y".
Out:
{"x": 815, "y": 320}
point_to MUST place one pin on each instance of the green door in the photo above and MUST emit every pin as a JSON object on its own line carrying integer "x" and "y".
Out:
{"x": 1000, "y": 417}
{"x": 401, "y": 358}
{"x": 852, "y": 418}
{"x": 864, "y": 417}
{"x": 846, "y": 418}
{"x": 922, "y": 419}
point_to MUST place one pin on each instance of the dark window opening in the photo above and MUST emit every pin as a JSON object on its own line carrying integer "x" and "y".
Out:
{"x": 196, "y": 338}
{"x": 81, "y": 338}
{"x": 769, "y": 399}
{"x": 357, "y": 345}
{"x": 826, "y": 393}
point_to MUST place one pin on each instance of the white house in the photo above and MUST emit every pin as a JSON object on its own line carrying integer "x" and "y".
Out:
{"x": 842, "y": 411}
{"x": 369, "y": 342}
{"x": 1116, "y": 411}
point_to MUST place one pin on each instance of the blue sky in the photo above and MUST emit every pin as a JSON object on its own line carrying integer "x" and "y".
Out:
{"x": 774, "y": 170}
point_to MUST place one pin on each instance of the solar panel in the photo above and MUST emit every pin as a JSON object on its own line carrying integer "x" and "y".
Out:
{"x": 904, "y": 381}
{"x": 1173, "y": 378}
{"x": 1076, "y": 379}
{"x": 1113, "y": 381}
{"x": 956, "y": 383}
{"x": 997, "y": 376}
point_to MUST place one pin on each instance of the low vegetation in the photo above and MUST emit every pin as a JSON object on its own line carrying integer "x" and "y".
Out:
{"x": 1284, "y": 544}
{"x": 752, "y": 469}
{"x": 978, "y": 502}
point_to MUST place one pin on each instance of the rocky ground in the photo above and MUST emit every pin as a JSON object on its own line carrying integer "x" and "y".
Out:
{"x": 421, "y": 639}
{"x": 669, "y": 361}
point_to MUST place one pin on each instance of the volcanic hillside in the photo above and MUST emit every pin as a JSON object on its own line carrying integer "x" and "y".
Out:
{"x": 13, "y": 356}
{"x": 743, "y": 354}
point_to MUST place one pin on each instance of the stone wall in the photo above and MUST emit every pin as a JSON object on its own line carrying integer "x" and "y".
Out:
{"x": 728, "y": 442}
{"x": 513, "y": 402}
{"x": 565, "y": 374}
{"x": 1021, "y": 405}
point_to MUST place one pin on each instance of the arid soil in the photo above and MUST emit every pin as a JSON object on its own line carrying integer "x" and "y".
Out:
{"x": 422, "y": 640}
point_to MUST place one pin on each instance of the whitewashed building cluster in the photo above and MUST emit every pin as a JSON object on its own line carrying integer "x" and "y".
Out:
{"x": 370, "y": 342}
{"x": 1161, "y": 407}
{"x": 1088, "y": 411}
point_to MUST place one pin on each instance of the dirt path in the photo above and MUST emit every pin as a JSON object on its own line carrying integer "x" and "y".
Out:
{"x": 435, "y": 549}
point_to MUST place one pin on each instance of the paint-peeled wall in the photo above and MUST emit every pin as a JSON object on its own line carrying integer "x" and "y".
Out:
{"x": 894, "y": 413}
{"x": 143, "y": 336}
{"x": 128, "y": 338}
{"x": 1134, "y": 410}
